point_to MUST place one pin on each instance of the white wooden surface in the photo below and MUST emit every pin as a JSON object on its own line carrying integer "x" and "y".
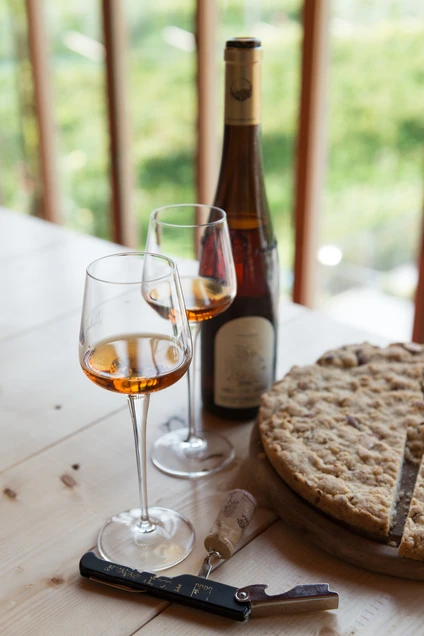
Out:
{"x": 52, "y": 418}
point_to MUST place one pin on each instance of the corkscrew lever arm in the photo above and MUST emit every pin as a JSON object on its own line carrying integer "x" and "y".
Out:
{"x": 301, "y": 598}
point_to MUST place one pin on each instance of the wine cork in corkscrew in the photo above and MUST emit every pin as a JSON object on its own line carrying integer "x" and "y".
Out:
{"x": 231, "y": 522}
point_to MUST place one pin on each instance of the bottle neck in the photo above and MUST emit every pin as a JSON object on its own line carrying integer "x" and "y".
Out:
{"x": 241, "y": 186}
{"x": 242, "y": 94}
{"x": 242, "y": 148}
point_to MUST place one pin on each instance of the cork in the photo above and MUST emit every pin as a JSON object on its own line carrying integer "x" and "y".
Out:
{"x": 231, "y": 522}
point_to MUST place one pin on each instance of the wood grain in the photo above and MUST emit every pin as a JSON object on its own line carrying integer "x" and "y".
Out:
{"x": 370, "y": 604}
{"x": 21, "y": 234}
{"x": 57, "y": 511}
{"x": 67, "y": 463}
{"x": 44, "y": 396}
{"x": 44, "y": 285}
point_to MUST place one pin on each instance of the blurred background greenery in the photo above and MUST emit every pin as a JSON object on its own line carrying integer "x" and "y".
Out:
{"x": 374, "y": 179}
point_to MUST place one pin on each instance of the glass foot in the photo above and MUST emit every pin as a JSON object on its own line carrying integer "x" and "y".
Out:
{"x": 202, "y": 456}
{"x": 157, "y": 545}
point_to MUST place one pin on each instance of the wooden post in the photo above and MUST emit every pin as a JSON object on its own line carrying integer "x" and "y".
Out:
{"x": 50, "y": 208}
{"x": 123, "y": 218}
{"x": 418, "y": 327}
{"x": 311, "y": 144}
{"x": 206, "y": 159}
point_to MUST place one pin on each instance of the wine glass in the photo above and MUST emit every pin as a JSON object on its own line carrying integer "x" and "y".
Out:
{"x": 125, "y": 346}
{"x": 197, "y": 238}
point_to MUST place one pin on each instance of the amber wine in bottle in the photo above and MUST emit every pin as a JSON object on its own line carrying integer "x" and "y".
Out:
{"x": 239, "y": 345}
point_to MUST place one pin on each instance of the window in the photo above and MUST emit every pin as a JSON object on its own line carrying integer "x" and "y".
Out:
{"x": 372, "y": 191}
{"x": 374, "y": 184}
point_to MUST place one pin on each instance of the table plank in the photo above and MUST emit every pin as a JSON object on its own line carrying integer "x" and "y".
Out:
{"x": 44, "y": 384}
{"x": 44, "y": 396}
{"x": 103, "y": 486}
{"x": 41, "y": 286}
{"x": 310, "y": 334}
{"x": 37, "y": 504}
{"x": 369, "y": 603}
{"x": 49, "y": 360}
{"x": 51, "y": 513}
{"x": 21, "y": 234}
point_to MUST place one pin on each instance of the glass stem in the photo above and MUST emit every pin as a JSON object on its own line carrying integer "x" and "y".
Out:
{"x": 139, "y": 406}
{"x": 191, "y": 382}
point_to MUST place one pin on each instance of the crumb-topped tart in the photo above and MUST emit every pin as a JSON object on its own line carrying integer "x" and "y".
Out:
{"x": 338, "y": 432}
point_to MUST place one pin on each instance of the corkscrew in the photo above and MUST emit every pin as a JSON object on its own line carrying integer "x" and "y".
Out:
{"x": 211, "y": 596}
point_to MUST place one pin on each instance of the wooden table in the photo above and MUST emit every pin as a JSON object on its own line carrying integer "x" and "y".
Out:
{"x": 67, "y": 463}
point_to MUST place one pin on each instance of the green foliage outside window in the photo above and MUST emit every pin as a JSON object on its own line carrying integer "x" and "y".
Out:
{"x": 375, "y": 124}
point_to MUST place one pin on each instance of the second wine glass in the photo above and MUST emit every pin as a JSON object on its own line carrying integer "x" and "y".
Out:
{"x": 197, "y": 237}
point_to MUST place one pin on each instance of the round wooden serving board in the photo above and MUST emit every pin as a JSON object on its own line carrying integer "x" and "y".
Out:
{"x": 318, "y": 528}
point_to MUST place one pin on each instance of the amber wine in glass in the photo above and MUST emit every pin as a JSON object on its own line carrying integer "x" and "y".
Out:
{"x": 197, "y": 238}
{"x": 126, "y": 346}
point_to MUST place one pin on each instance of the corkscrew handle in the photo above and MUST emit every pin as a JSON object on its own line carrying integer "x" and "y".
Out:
{"x": 231, "y": 522}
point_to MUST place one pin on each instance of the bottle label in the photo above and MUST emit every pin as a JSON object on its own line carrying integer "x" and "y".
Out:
{"x": 244, "y": 354}
{"x": 242, "y": 93}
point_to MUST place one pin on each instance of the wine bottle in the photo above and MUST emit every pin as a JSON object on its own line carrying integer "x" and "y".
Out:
{"x": 239, "y": 346}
